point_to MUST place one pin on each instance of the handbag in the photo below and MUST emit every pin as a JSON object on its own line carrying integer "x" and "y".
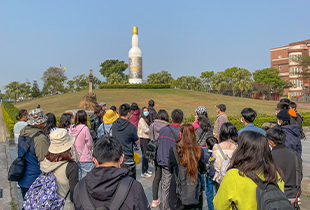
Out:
{"x": 152, "y": 148}
{"x": 17, "y": 169}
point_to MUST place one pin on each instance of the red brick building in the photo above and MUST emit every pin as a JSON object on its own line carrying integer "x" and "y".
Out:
{"x": 282, "y": 58}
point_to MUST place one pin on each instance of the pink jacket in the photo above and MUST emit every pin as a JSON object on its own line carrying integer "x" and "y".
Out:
{"x": 83, "y": 137}
{"x": 135, "y": 118}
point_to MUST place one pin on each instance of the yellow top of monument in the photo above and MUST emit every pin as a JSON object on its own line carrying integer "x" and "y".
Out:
{"x": 135, "y": 30}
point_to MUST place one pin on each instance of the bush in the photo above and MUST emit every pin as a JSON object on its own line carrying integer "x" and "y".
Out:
{"x": 135, "y": 86}
{"x": 9, "y": 114}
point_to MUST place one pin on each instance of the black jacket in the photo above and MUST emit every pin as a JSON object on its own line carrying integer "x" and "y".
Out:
{"x": 285, "y": 158}
{"x": 126, "y": 134}
{"x": 95, "y": 122}
{"x": 299, "y": 119}
{"x": 102, "y": 182}
{"x": 201, "y": 136}
{"x": 152, "y": 113}
{"x": 174, "y": 202}
{"x": 293, "y": 137}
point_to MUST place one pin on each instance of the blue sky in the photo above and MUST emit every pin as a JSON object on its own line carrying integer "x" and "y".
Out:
{"x": 182, "y": 37}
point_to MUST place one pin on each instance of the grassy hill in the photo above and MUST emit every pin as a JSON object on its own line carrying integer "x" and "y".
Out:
{"x": 168, "y": 99}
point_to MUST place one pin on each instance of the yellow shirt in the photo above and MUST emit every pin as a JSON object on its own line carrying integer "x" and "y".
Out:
{"x": 240, "y": 189}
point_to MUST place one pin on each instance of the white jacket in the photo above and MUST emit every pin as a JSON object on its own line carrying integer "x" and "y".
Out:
{"x": 143, "y": 129}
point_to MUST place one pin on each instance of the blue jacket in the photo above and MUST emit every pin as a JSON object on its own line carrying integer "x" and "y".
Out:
{"x": 165, "y": 142}
{"x": 209, "y": 160}
{"x": 293, "y": 137}
{"x": 251, "y": 127}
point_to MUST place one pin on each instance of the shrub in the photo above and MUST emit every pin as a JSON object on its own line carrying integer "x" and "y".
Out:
{"x": 135, "y": 86}
{"x": 9, "y": 114}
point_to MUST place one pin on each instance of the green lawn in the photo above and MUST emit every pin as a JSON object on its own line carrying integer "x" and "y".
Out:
{"x": 168, "y": 99}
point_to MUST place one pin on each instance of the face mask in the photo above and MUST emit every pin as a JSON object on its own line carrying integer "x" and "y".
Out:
{"x": 276, "y": 113}
{"x": 242, "y": 120}
{"x": 146, "y": 114}
{"x": 217, "y": 111}
{"x": 278, "y": 122}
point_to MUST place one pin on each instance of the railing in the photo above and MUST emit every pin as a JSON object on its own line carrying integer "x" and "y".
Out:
{"x": 2, "y": 100}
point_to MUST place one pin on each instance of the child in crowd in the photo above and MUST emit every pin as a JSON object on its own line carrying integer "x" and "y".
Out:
{"x": 209, "y": 160}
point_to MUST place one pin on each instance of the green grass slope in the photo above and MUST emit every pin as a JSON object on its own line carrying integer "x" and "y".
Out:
{"x": 168, "y": 99}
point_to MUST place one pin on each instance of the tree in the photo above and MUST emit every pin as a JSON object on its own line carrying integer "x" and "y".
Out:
{"x": 13, "y": 89}
{"x": 242, "y": 80}
{"x": 115, "y": 78}
{"x": 109, "y": 67}
{"x": 25, "y": 89}
{"x": 304, "y": 62}
{"x": 54, "y": 79}
{"x": 189, "y": 83}
{"x": 229, "y": 73}
{"x": 163, "y": 77}
{"x": 271, "y": 79}
{"x": 35, "y": 91}
{"x": 206, "y": 79}
{"x": 219, "y": 82}
{"x": 81, "y": 82}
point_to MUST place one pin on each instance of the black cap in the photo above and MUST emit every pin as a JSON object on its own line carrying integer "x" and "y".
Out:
{"x": 284, "y": 115}
{"x": 222, "y": 107}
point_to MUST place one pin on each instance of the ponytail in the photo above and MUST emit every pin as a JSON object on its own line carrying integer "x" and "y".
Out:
{"x": 21, "y": 114}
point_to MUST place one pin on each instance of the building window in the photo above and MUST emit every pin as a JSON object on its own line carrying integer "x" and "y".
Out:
{"x": 296, "y": 83}
{"x": 294, "y": 71}
{"x": 294, "y": 57}
{"x": 279, "y": 67}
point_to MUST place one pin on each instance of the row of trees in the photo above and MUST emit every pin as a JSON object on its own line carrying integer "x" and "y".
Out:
{"x": 235, "y": 79}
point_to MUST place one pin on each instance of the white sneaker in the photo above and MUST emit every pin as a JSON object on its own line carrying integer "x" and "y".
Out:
{"x": 146, "y": 175}
{"x": 149, "y": 172}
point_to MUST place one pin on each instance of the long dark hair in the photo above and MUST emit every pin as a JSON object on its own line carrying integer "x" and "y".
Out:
{"x": 189, "y": 151}
{"x": 80, "y": 118}
{"x": 163, "y": 115}
{"x": 134, "y": 106}
{"x": 50, "y": 123}
{"x": 253, "y": 154}
{"x": 147, "y": 119}
{"x": 21, "y": 114}
{"x": 65, "y": 120}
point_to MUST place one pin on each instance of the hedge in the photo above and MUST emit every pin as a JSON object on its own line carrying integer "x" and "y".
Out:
{"x": 135, "y": 86}
{"x": 9, "y": 114}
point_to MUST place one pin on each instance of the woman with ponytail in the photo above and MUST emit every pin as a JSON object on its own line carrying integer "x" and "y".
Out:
{"x": 22, "y": 122}
{"x": 190, "y": 156}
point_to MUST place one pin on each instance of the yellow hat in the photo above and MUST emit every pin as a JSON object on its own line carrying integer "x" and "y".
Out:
{"x": 109, "y": 117}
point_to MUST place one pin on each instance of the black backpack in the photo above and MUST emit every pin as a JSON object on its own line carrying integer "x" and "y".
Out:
{"x": 117, "y": 201}
{"x": 270, "y": 197}
{"x": 187, "y": 191}
{"x": 152, "y": 147}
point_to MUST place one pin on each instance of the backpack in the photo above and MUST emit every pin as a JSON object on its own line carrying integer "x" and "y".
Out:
{"x": 42, "y": 194}
{"x": 93, "y": 129}
{"x": 224, "y": 166}
{"x": 270, "y": 197}
{"x": 117, "y": 200}
{"x": 152, "y": 147}
{"x": 187, "y": 191}
{"x": 17, "y": 169}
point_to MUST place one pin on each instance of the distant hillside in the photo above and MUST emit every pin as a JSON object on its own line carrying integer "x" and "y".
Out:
{"x": 168, "y": 99}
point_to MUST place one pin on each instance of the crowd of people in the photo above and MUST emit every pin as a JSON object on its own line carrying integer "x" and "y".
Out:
{"x": 96, "y": 167}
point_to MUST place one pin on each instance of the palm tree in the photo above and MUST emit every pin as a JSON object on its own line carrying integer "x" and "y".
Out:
{"x": 219, "y": 82}
{"x": 13, "y": 89}
{"x": 242, "y": 80}
{"x": 115, "y": 78}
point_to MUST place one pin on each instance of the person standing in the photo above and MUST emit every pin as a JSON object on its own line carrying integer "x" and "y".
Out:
{"x": 189, "y": 155}
{"x": 83, "y": 143}
{"x": 288, "y": 161}
{"x": 251, "y": 160}
{"x": 102, "y": 186}
{"x": 152, "y": 111}
{"x": 135, "y": 113}
{"x": 65, "y": 121}
{"x": 161, "y": 121}
{"x": 105, "y": 127}
{"x": 299, "y": 117}
{"x": 201, "y": 111}
{"x": 220, "y": 119}
{"x": 143, "y": 134}
{"x": 50, "y": 125}
{"x": 95, "y": 122}
{"x": 126, "y": 134}
{"x": 60, "y": 160}
{"x": 292, "y": 131}
{"x": 22, "y": 122}
{"x": 38, "y": 147}
{"x": 166, "y": 140}
{"x": 248, "y": 116}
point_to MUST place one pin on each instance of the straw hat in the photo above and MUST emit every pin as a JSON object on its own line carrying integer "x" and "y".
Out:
{"x": 109, "y": 117}
{"x": 61, "y": 141}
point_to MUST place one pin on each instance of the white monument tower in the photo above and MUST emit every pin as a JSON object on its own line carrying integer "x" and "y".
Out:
{"x": 135, "y": 59}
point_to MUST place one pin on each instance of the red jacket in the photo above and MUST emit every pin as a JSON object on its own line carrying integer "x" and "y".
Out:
{"x": 135, "y": 117}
